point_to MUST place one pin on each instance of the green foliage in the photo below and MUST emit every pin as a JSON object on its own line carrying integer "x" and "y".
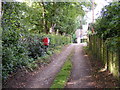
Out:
{"x": 27, "y": 50}
{"x": 35, "y": 46}
{"x": 113, "y": 44}
{"x": 14, "y": 54}
{"x": 20, "y": 47}
{"x": 107, "y": 25}
{"x": 58, "y": 40}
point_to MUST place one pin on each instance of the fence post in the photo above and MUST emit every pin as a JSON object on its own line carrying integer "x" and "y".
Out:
{"x": 95, "y": 46}
{"x": 102, "y": 50}
{"x": 118, "y": 53}
{"x": 107, "y": 57}
{"x": 89, "y": 42}
{"x": 97, "y": 54}
{"x": 99, "y": 48}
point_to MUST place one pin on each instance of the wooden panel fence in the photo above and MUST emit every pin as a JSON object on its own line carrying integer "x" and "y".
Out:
{"x": 100, "y": 51}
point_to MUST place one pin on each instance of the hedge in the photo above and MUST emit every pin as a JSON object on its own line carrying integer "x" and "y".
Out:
{"x": 26, "y": 50}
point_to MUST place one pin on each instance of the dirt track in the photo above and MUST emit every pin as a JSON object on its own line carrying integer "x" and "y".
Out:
{"x": 41, "y": 78}
{"x": 81, "y": 72}
{"x": 45, "y": 78}
{"x": 81, "y": 75}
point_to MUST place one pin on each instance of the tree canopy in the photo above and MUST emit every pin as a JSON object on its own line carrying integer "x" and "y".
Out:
{"x": 107, "y": 25}
{"x": 39, "y": 17}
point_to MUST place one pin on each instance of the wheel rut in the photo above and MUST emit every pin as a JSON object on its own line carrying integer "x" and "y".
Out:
{"x": 81, "y": 73}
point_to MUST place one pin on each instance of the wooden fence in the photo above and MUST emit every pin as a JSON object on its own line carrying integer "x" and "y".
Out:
{"x": 100, "y": 51}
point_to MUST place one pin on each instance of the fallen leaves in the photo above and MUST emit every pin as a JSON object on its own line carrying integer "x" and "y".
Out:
{"x": 104, "y": 79}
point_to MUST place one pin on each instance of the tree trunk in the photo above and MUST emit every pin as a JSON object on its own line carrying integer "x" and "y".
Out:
{"x": 44, "y": 21}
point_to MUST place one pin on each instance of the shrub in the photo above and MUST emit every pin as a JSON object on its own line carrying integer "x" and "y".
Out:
{"x": 19, "y": 47}
{"x": 26, "y": 50}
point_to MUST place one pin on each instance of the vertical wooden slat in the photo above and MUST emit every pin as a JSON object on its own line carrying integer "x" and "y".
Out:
{"x": 107, "y": 55}
{"x": 101, "y": 51}
{"x": 0, "y": 45}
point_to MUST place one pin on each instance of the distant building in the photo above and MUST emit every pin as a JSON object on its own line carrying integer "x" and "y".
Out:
{"x": 80, "y": 34}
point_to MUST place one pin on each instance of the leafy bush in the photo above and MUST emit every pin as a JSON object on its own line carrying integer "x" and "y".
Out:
{"x": 35, "y": 46}
{"x": 26, "y": 50}
{"x": 15, "y": 54}
{"x": 113, "y": 44}
{"x": 19, "y": 47}
{"x": 107, "y": 25}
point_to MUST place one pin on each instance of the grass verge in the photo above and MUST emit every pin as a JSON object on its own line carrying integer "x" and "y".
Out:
{"x": 62, "y": 77}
